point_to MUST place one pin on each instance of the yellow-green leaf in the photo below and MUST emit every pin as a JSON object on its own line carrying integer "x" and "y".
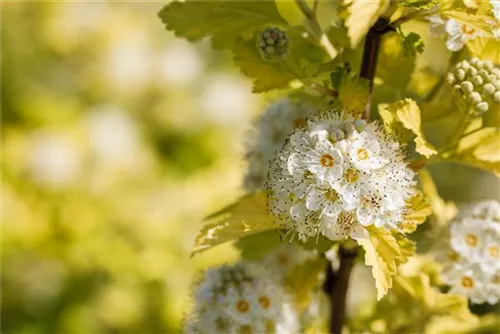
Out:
{"x": 486, "y": 48}
{"x": 247, "y": 216}
{"x": 418, "y": 208}
{"x": 443, "y": 211}
{"x": 360, "y": 15}
{"x": 480, "y": 149}
{"x": 267, "y": 76}
{"x": 407, "y": 113}
{"x": 383, "y": 254}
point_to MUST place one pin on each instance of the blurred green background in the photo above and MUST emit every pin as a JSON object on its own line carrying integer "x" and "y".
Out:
{"x": 117, "y": 139}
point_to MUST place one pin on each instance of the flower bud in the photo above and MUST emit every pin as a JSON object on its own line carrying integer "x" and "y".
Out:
{"x": 349, "y": 128}
{"x": 336, "y": 134}
{"x": 496, "y": 97}
{"x": 489, "y": 89}
{"x": 474, "y": 98}
{"x": 272, "y": 44}
{"x": 467, "y": 87}
{"x": 460, "y": 74}
{"x": 360, "y": 125}
{"x": 483, "y": 73}
{"x": 488, "y": 65}
{"x": 450, "y": 78}
{"x": 481, "y": 107}
{"x": 477, "y": 80}
{"x": 472, "y": 71}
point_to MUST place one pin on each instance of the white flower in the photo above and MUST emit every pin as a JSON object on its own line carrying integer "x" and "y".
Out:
{"x": 335, "y": 176}
{"x": 242, "y": 298}
{"x": 275, "y": 124}
{"x": 458, "y": 33}
{"x": 472, "y": 266}
{"x": 467, "y": 279}
{"x": 436, "y": 25}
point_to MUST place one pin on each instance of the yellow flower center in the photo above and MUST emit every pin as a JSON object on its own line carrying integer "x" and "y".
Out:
{"x": 453, "y": 256}
{"x": 471, "y": 240}
{"x": 467, "y": 282}
{"x": 332, "y": 195}
{"x": 246, "y": 329}
{"x": 270, "y": 327}
{"x": 242, "y": 306}
{"x": 327, "y": 160}
{"x": 264, "y": 301}
{"x": 351, "y": 175}
{"x": 467, "y": 30}
{"x": 493, "y": 250}
{"x": 362, "y": 154}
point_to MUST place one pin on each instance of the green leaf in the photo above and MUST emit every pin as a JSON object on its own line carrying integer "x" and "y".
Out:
{"x": 383, "y": 253}
{"x": 267, "y": 76}
{"x": 480, "y": 149}
{"x": 407, "y": 113}
{"x": 221, "y": 20}
{"x": 360, "y": 15}
{"x": 412, "y": 44}
{"x": 419, "y": 4}
{"x": 245, "y": 217}
{"x": 254, "y": 247}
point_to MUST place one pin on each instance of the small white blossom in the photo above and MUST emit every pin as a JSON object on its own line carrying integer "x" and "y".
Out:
{"x": 457, "y": 33}
{"x": 472, "y": 267}
{"x": 336, "y": 175}
{"x": 242, "y": 298}
{"x": 275, "y": 124}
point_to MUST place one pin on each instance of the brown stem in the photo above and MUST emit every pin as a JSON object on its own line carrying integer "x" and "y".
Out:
{"x": 370, "y": 55}
{"x": 336, "y": 285}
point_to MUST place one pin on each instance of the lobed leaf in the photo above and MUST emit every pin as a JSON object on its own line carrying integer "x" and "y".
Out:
{"x": 303, "y": 278}
{"x": 360, "y": 15}
{"x": 245, "y": 217}
{"x": 383, "y": 253}
{"x": 407, "y": 113}
{"x": 418, "y": 209}
{"x": 222, "y": 20}
{"x": 480, "y": 149}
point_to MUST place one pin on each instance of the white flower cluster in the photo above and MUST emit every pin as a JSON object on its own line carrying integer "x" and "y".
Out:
{"x": 282, "y": 260}
{"x": 335, "y": 176}
{"x": 274, "y": 125}
{"x": 457, "y": 33}
{"x": 240, "y": 298}
{"x": 473, "y": 264}
{"x": 477, "y": 82}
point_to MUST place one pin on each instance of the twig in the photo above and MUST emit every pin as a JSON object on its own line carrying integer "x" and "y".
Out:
{"x": 412, "y": 16}
{"x": 337, "y": 285}
{"x": 370, "y": 55}
{"x": 315, "y": 29}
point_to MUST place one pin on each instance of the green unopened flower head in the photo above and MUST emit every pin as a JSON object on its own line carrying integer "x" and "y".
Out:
{"x": 272, "y": 43}
{"x": 477, "y": 82}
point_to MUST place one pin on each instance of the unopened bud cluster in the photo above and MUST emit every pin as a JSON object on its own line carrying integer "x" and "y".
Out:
{"x": 478, "y": 82}
{"x": 240, "y": 298}
{"x": 272, "y": 44}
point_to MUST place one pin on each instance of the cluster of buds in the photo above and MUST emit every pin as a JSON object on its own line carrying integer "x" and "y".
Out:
{"x": 272, "y": 44}
{"x": 478, "y": 83}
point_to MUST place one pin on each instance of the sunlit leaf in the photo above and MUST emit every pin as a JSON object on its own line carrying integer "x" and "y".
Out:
{"x": 443, "y": 211}
{"x": 486, "y": 48}
{"x": 383, "y": 254}
{"x": 221, "y": 20}
{"x": 480, "y": 149}
{"x": 245, "y": 217}
{"x": 418, "y": 209}
{"x": 407, "y": 113}
{"x": 360, "y": 15}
